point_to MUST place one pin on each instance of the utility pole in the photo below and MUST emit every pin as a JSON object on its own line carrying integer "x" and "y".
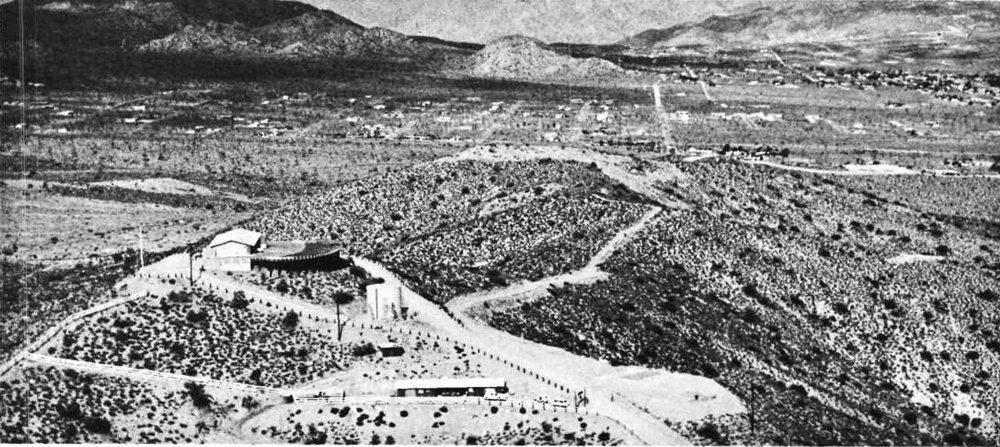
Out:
{"x": 340, "y": 298}
{"x": 142, "y": 261}
{"x": 753, "y": 411}
{"x": 340, "y": 327}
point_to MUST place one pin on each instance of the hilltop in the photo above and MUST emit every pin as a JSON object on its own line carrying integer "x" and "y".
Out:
{"x": 519, "y": 57}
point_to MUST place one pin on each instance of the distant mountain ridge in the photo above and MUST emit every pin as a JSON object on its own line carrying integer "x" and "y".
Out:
{"x": 483, "y": 21}
{"x": 220, "y": 27}
{"x": 876, "y": 26}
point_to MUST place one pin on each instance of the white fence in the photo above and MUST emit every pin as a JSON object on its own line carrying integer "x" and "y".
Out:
{"x": 63, "y": 325}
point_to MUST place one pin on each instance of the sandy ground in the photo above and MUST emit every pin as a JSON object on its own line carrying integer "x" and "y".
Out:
{"x": 908, "y": 258}
{"x": 161, "y": 185}
{"x": 849, "y": 169}
{"x": 420, "y": 423}
{"x": 83, "y": 227}
{"x": 168, "y": 185}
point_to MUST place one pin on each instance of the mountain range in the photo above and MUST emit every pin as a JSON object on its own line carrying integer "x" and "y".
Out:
{"x": 952, "y": 27}
{"x": 483, "y": 21}
{"x": 849, "y": 30}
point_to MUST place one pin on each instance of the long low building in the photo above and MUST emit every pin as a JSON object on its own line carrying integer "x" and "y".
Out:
{"x": 484, "y": 386}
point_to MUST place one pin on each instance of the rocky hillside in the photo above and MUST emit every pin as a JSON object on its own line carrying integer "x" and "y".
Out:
{"x": 219, "y": 27}
{"x": 519, "y": 57}
{"x": 213, "y": 37}
{"x": 482, "y": 21}
{"x": 921, "y": 28}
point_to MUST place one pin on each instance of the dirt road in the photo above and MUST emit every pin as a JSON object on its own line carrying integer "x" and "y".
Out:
{"x": 587, "y": 275}
{"x": 640, "y": 398}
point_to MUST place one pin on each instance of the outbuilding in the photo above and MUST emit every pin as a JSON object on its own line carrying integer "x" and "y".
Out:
{"x": 482, "y": 386}
{"x": 389, "y": 349}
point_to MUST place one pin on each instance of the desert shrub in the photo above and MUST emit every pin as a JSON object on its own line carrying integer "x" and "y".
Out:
{"x": 357, "y": 271}
{"x": 291, "y": 320}
{"x": 197, "y": 316}
{"x": 240, "y": 300}
{"x": 199, "y": 397}
{"x": 709, "y": 431}
{"x": 97, "y": 425}
{"x": 988, "y": 295}
{"x": 363, "y": 349}
{"x": 281, "y": 287}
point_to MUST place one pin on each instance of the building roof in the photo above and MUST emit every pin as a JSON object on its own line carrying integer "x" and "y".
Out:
{"x": 475, "y": 382}
{"x": 238, "y": 235}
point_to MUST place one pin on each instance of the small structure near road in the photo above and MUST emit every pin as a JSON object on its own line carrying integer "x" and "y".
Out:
{"x": 231, "y": 251}
{"x": 486, "y": 387}
{"x": 389, "y": 349}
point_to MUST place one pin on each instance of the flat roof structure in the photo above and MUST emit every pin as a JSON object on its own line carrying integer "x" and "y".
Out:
{"x": 451, "y": 383}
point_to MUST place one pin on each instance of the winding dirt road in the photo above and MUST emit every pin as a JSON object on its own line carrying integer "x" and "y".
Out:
{"x": 640, "y": 398}
{"x": 589, "y": 274}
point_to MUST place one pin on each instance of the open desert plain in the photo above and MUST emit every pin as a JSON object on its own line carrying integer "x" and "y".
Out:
{"x": 502, "y": 222}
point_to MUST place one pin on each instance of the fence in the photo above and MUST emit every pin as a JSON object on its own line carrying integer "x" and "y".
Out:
{"x": 151, "y": 374}
{"x": 319, "y": 313}
{"x": 61, "y": 326}
{"x": 316, "y": 313}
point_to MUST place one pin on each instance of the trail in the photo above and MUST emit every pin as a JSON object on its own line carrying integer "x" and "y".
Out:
{"x": 589, "y": 274}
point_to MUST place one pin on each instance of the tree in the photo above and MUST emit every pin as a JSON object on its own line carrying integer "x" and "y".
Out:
{"x": 363, "y": 350}
{"x": 240, "y": 300}
{"x": 199, "y": 397}
{"x": 341, "y": 298}
{"x": 291, "y": 320}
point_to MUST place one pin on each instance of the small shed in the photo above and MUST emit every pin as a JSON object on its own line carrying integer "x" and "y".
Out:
{"x": 390, "y": 349}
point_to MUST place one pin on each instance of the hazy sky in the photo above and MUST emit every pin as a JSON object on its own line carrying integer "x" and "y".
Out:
{"x": 587, "y": 21}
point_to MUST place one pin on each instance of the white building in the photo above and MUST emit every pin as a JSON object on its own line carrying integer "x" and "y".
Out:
{"x": 486, "y": 386}
{"x": 231, "y": 251}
